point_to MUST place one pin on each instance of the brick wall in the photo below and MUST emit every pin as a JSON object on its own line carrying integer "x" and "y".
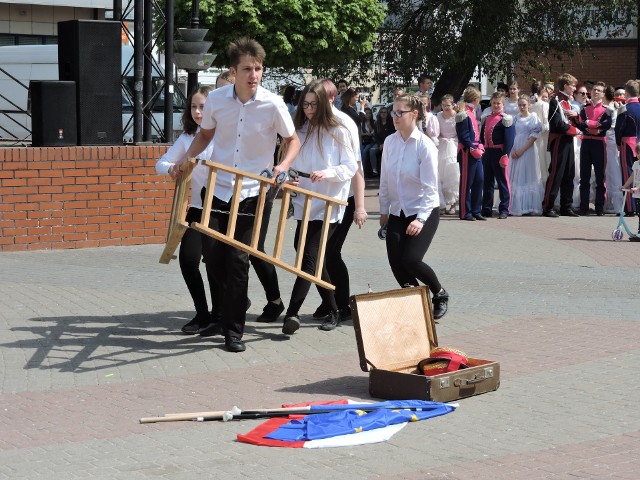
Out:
{"x": 613, "y": 62}
{"x": 76, "y": 197}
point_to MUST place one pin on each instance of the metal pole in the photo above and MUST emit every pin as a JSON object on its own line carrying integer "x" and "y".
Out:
{"x": 168, "y": 73}
{"x": 192, "y": 77}
{"x": 138, "y": 60}
{"x": 147, "y": 83}
{"x": 638, "y": 41}
{"x": 117, "y": 10}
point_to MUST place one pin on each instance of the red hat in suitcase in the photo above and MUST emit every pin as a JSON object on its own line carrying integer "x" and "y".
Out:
{"x": 443, "y": 360}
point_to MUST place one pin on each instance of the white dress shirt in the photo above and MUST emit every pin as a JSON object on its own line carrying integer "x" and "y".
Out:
{"x": 335, "y": 157}
{"x": 200, "y": 172}
{"x": 354, "y": 135}
{"x": 409, "y": 176}
{"x": 245, "y": 136}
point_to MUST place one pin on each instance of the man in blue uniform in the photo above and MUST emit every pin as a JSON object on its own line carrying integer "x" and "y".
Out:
{"x": 627, "y": 135}
{"x": 497, "y": 135}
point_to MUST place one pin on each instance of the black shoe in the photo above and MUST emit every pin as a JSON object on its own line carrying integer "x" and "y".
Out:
{"x": 211, "y": 330}
{"x": 234, "y": 345}
{"x": 291, "y": 324}
{"x": 345, "y": 314}
{"x": 322, "y": 311}
{"x": 584, "y": 213}
{"x": 629, "y": 214}
{"x": 550, "y": 214}
{"x": 196, "y": 324}
{"x": 600, "y": 214}
{"x": 502, "y": 216}
{"x": 331, "y": 322}
{"x": 271, "y": 312}
{"x": 479, "y": 217}
{"x": 440, "y": 304}
{"x": 635, "y": 238}
{"x": 568, "y": 213}
{"x": 469, "y": 218}
{"x": 248, "y": 304}
{"x": 487, "y": 214}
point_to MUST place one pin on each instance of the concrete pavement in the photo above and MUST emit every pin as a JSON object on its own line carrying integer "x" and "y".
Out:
{"x": 90, "y": 343}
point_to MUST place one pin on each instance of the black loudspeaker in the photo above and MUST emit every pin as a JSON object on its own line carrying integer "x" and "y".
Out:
{"x": 53, "y": 113}
{"x": 89, "y": 53}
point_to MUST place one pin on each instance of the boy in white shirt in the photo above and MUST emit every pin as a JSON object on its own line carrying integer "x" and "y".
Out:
{"x": 244, "y": 120}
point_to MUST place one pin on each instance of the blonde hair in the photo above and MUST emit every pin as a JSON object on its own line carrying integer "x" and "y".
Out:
{"x": 470, "y": 95}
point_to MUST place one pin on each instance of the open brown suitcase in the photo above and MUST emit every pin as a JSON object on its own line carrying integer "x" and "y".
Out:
{"x": 395, "y": 330}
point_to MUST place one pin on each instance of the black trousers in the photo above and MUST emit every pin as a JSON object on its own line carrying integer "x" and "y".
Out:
{"x": 561, "y": 172}
{"x": 231, "y": 266}
{"x": 265, "y": 271}
{"x": 309, "y": 264}
{"x": 337, "y": 269}
{"x": 192, "y": 248}
{"x": 405, "y": 252}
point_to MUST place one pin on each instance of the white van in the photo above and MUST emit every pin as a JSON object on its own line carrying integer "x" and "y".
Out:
{"x": 22, "y": 63}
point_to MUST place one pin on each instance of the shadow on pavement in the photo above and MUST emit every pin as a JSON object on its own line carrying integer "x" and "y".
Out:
{"x": 91, "y": 343}
{"x": 356, "y": 386}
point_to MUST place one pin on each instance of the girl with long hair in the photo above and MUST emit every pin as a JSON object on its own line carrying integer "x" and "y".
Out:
{"x": 193, "y": 243}
{"x": 328, "y": 159}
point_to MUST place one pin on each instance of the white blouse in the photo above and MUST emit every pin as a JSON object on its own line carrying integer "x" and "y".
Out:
{"x": 200, "y": 173}
{"x": 409, "y": 176}
{"x": 336, "y": 158}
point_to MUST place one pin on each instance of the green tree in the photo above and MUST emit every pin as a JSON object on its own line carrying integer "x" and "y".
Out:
{"x": 449, "y": 39}
{"x": 295, "y": 33}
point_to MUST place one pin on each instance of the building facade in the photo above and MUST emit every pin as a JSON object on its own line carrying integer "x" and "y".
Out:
{"x": 36, "y": 22}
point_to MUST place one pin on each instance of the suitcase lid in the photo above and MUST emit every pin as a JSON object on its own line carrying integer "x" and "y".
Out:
{"x": 394, "y": 329}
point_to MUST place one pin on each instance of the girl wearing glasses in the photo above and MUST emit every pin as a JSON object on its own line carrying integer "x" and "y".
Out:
{"x": 328, "y": 159}
{"x": 409, "y": 200}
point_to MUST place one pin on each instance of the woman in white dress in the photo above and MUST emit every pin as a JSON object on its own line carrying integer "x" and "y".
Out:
{"x": 511, "y": 101}
{"x": 541, "y": 109}
{"x": 524, "y": 174}
{"x": 612, "y": 172}
{"x": 448, "y": 168}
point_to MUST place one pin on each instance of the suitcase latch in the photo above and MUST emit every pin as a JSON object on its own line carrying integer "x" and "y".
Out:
{"x": 444, "y": 382}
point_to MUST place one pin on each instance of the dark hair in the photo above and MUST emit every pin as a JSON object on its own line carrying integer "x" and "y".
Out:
{"x": 245, "y": 46}
{"x": 609, "y": 93}
{"x": 347, "y": 96}
{"x": 423, "y": 78}
{"x": 189, "y": 125}
{"x": 342, "y": 80}
{"x": 379, "y": 118}
{"x": 323, "y": 119}
{"x": 289, "y": 92}
{"x": 536, "y": 86}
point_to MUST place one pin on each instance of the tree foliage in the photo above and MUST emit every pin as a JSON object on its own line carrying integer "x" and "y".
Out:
{"x": 450, "y": 38}
{"x": 295, "y": 33}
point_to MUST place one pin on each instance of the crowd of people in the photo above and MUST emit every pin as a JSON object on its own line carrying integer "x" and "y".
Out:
{"x": 435, "y": 159}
